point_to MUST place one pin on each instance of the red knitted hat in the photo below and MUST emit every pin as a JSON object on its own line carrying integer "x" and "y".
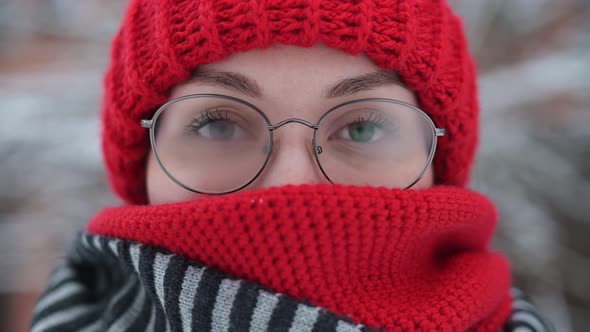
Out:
{"x": 162, "y": 42}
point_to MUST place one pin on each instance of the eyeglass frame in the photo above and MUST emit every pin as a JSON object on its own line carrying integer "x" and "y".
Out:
{"x": 150, "y": 124}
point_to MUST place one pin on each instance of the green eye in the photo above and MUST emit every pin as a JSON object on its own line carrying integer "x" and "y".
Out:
{"x": 362, "y": 132}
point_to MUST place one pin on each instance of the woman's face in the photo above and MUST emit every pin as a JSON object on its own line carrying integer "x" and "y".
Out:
{"x": 287, "y": 82}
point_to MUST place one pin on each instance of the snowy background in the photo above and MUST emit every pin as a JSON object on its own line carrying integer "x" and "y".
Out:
{"x": 534, "y": 160}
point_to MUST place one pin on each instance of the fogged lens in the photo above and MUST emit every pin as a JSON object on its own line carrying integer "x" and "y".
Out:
{"x": 377, "y": 143}
{"x": 211, "y": 144}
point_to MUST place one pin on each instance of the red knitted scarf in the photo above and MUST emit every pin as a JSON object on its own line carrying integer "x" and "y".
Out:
{"x": 414, "y": 260}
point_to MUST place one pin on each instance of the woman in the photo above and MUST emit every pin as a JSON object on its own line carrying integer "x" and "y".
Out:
{"x": 307, "y": 173}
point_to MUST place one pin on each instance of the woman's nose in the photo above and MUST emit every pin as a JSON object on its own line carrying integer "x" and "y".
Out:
{"x": 292, "y": 160}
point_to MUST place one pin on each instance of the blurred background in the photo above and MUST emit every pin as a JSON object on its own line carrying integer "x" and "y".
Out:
{"x": 534, "y": 159}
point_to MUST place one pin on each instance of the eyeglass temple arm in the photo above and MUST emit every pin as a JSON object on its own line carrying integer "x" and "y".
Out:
{"x": 147, "y": 123}
{"x": 438, "y": 131}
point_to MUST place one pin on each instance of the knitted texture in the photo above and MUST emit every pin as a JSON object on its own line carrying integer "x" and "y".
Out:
{"x": 107, "y": 284}
{"x": 161, "y": 43}
{"x": 149, "y": 289}
{"x": 392, "y": 259}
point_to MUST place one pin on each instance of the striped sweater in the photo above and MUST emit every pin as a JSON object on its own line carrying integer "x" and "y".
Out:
{"x": 108, "y": 284}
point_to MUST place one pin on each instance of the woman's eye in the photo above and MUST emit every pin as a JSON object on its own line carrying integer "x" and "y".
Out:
{"x": 218, "y": 130}
{"x": 361, "y": 132}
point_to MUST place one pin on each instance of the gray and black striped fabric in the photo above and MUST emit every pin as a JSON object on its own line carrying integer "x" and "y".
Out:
{"x": 113, "y": 285}
{"x": 108, "y": 284}
{"x": 525, "y": 317}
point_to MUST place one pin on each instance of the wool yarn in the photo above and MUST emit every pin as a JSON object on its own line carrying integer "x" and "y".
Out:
{"x": 161, "y": 43}
{"x": 414, "y": 260}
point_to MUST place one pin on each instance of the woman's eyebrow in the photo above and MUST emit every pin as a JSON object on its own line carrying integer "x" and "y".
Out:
{"x": 247, "y": 86}
{"x": 352, "y": 85}
{"x": 228, "y": 80}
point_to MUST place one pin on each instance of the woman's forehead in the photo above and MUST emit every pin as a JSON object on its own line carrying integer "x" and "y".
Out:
{"x": 315, "y": 66}
{"x": 294, "y": 72}
{"x": 280, "y": 54}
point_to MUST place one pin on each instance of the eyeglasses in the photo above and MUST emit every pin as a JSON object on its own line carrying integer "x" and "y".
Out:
{"x": 216, "y": 144}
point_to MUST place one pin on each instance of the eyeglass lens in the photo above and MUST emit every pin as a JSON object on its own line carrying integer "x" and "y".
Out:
{"x": 217, "y": 145}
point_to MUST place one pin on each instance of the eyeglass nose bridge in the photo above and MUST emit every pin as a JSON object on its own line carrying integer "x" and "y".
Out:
{"x": 296, "y": 120}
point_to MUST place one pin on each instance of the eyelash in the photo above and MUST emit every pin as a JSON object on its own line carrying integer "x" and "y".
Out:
{"x": 216, "y": 114}
{"x": 378, "y": 120}
{"x": 208, "y": 116}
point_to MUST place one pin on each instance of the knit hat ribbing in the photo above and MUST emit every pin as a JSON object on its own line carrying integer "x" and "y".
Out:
{"x": 160, "y": 44}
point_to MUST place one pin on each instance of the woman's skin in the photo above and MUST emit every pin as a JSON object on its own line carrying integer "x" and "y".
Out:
{"x": 286, "y": 81}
